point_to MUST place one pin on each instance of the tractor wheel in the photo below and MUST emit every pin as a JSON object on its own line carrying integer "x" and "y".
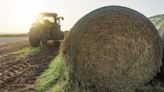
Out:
{"x": 57, "y": 43}
{"x": 34, "y": 38}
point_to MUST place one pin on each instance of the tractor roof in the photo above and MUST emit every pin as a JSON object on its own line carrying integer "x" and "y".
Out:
{"x": 47, "y": 14}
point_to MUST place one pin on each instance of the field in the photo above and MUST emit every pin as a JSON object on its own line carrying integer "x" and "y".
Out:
{"x": 41, "y": 69}
{"x": 13, "y": 35}
{"x": 8, "y": 38}
{"x": 20, "y": 65}
{"x": 5, "y": 40}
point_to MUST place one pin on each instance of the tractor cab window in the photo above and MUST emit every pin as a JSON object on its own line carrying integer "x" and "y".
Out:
{"x": 48, "y": 19}
{"x": 45, "y": 19}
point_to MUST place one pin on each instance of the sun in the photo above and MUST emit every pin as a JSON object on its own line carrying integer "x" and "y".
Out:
{"x": 24, "y": 11}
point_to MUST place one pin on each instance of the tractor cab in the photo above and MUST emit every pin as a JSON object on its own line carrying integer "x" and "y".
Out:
{"x": 48, "y": 18}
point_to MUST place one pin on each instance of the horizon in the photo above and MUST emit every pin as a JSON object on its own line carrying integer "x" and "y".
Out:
{"x": 17, "y": 15}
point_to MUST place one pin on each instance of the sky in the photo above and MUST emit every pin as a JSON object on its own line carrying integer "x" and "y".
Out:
{"x": 16, "y": 16}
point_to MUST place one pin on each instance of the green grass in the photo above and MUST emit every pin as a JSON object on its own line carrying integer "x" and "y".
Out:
{"x": 161, "y": 25}
{"x": 158, "y": 22}
{"x": 53, "y": 79}
{"x": 13, "y": 35}
{"x": 28, "y": 52}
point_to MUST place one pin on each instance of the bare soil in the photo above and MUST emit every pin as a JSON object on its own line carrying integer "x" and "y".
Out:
{"x": 19, "y": 75}
{"x": 5, "y": 40}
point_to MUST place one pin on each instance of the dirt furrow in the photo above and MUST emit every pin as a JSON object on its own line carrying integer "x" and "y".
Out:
{"x": 18, "y": 75}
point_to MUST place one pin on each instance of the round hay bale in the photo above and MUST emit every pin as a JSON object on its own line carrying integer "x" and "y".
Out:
{"x": 112, "y": 48}
{"x": 158, "y": 21}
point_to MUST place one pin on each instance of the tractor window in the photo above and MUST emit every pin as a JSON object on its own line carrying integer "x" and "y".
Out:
{"x": 42, "y": 19}
{"x": 51, "y": 19}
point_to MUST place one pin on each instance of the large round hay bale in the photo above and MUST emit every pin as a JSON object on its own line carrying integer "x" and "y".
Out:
{"x": 112, "y": 48}
{"x": 158, "y": 21}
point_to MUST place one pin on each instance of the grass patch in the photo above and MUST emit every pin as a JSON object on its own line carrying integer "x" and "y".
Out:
{"x": 13, "y": 35}
{"x": 28, "y": 52}
{"x": 53, "y": 79}
{"x": 60, "y": 86}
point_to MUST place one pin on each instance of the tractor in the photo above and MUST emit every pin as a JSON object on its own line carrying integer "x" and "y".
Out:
{"x": 46, "y": 27}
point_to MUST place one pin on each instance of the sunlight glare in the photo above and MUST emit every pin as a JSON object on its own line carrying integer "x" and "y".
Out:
{"x": 24, "y": 11}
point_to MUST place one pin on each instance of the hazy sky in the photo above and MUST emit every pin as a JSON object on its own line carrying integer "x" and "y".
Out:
{"x": 16, "y": 15}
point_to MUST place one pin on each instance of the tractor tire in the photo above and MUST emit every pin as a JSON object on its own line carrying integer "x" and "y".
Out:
{"x": 34, "y": 38}
{"x": 56, "y": 43}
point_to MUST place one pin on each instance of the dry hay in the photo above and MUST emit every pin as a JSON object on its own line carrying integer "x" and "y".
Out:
{"x": 112, "y": 48}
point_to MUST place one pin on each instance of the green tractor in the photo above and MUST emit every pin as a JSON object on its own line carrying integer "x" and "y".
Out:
{"x": 46, "y": 27}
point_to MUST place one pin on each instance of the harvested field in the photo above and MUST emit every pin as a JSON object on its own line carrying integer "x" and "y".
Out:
{"x": 20, "y": 65}
{"x": 5, "y": 40}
